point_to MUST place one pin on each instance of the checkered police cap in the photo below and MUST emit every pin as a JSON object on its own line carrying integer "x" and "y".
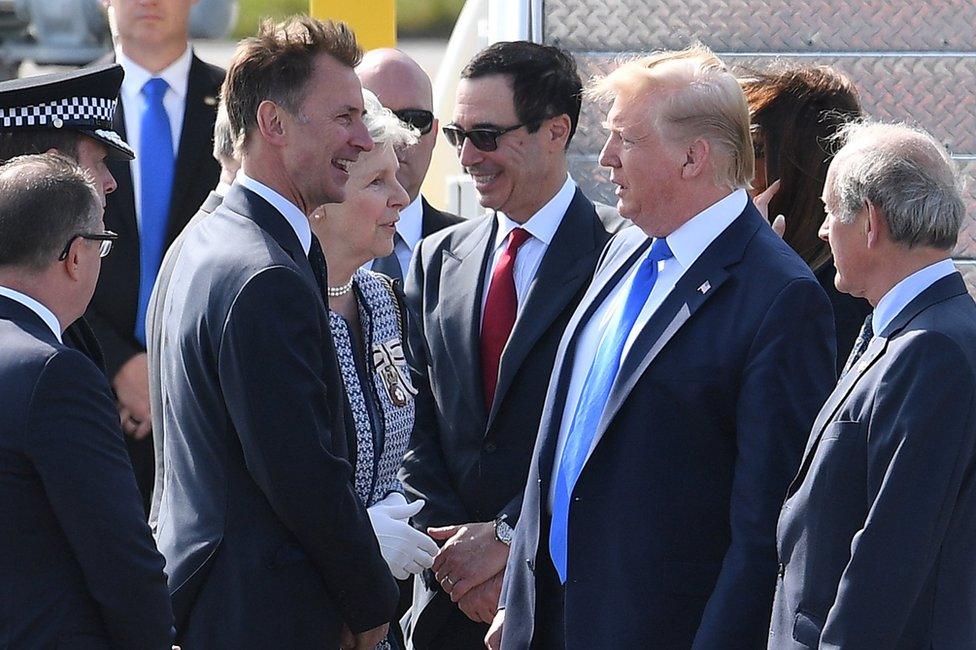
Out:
{"x": 82, "y": 100}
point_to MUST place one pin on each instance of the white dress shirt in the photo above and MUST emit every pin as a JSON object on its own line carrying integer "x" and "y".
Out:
{"x": 177, "y": 77}
{"x": 542, "y": 226}
{"x": 45, "y": 314}
{"x": 898, "y": 297}
{"x": 687, "y": 243}
{"x": 292, "y": 214}
{"x": 410, "y": 227}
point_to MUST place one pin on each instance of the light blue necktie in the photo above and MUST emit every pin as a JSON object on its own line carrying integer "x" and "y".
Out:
{"x": 593, "y": 399}
{"x": 156, "y": 177}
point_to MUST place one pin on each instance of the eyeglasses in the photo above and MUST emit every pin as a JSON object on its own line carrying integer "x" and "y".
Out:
{"x": 418, "y": 118}
{"x": 106, "y": 238}
{"x": 484, "y": 138}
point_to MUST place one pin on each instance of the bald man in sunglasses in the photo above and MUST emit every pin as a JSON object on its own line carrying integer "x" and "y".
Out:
{"x": 403, "y": 87}
{"x": 493, "y": 296}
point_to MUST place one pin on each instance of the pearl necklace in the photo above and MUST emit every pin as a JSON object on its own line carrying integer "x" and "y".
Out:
{"x": 341, "y": 290}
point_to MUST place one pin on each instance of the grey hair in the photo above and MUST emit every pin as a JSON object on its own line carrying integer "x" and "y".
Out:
{"x": 384, "y": 126}
{"x": 908, "y": 175}
{"x": 223, "y": 135}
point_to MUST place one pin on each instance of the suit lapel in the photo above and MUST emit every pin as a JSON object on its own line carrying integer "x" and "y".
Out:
{"x": 947, "y": 287}
{"x": 695, "y": 287}
{"x": 462, "y": 280}
{"x": 123, "y": 195}
{"x": 561, "y": 273}
{"x": 197, "y": 127}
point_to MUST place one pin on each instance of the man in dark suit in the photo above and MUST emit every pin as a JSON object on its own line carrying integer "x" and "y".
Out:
{"x": 79, "y": 567}
{"x": 878, "y": 533}
{"x": 85, "y": 136}
{"x": 492, "y": 297}
{"x": 266, "y": 543}
{"x": 681, "y": 392}
{"x": 168, "y": 102}
{"x": 403, "y": 87}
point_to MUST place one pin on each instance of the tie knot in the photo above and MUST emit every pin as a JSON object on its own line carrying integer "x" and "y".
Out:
{"x": 517, "y": 237}
{"x": 155, "y": 88}
{"x": 660, "y": 250}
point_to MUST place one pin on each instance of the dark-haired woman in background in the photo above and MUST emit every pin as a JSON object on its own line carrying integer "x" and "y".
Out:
{"x": 794, "y": 111}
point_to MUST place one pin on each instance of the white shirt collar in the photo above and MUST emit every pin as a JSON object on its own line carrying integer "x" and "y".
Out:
{"x": 543, "y": 224}
{"x": 295, "y": 217}
{"x": 411, "y": 223}
{"x": 689, "y": 241}
{"x": 898, "y": 297}
{"x": 176, "y": 75}
{"x": 43, "y": 312}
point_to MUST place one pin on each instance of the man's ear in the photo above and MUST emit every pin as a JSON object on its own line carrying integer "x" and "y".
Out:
{"x": 558, "y": 130}
{"x": 876, "y": 224}
{"x": 73, "y": 262}
{"x": 271, "y": 122}
{"x": 696, "y": 158}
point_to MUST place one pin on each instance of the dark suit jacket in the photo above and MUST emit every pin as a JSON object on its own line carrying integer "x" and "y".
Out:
{"x": 467, "y": 463}
{"x": 434, "y": 219}
{"x": 877, "y": 539}
{"x": 672, "y": 520}
{"x": 78, "y": 567}
{"x": 112, "y": 312}
{"x": 266, "y": 543}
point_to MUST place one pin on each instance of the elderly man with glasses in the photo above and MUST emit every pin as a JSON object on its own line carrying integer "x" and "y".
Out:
{"x": 506, "y": 282}
{"x": 402, "y": 86}
{"x": 80, "y": 567}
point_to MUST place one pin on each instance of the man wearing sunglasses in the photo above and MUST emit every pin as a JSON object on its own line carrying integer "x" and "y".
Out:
{"x": 402, "y": 86}
{"x": 80, "y": 565}
{"x": 505, "y": 282}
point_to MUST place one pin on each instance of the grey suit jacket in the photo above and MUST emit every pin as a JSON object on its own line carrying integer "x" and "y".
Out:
{"x": 877, "y": 538}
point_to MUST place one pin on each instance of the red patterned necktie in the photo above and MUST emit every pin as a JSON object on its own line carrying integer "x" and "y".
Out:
{"x": 500, "y": 310}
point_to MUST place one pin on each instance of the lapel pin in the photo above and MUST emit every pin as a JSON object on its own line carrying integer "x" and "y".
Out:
{"x": 706, "y": 285}
{"x": 210, "y": 100}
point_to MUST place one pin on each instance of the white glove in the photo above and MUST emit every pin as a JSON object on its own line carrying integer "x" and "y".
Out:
{"x": 405, "y": 549}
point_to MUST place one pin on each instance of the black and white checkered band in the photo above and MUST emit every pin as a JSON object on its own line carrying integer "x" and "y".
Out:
{"x": 70, "y": 112}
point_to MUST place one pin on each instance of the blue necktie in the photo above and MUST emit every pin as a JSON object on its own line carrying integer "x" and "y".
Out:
{"x": 593, "y": 399}
{"x": 156, "y": 177}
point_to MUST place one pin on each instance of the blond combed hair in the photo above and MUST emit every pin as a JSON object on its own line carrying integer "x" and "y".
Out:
{"x": 702, "y": 100}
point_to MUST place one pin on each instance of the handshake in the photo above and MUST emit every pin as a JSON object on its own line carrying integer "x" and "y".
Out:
{"x": 406, "y": 550}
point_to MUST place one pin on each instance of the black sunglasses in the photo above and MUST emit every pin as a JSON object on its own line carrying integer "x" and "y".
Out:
{"x": 484, "y": 138}
{"x": 418, "y": 118}
{"x": 106, "y": 238}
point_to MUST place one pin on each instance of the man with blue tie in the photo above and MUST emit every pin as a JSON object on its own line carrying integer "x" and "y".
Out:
{"x": 681, "y": 391}
{"x": 878, "y": 533}
{"x": 167, "y": 108}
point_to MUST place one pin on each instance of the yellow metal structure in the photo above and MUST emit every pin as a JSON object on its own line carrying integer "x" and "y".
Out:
{"x": 374, "y": 21}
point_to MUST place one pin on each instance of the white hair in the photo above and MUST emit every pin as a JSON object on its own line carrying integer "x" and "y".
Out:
{"x": 384, "y": 127}
{"x": 907, "y": 174}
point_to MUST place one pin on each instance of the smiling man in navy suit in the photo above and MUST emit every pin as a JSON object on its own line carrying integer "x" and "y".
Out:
{"x": 681, "y": 394}
{"x": 878, "y": 535}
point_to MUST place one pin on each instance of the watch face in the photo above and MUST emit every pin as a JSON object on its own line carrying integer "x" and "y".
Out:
{"x": 504, "y": 532}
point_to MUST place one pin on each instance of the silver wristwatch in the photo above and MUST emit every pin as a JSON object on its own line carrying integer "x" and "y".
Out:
{"x": 503, "y": 532}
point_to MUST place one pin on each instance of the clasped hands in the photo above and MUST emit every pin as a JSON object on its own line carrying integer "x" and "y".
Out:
{"x": 406, "y": 550}
{"x": 470, "y": 567}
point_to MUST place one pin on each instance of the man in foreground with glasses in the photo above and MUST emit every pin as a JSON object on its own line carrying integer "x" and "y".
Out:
{"x": 80, "y": 566}
{"x": 402, "y": 86}
{"x": 505, "y": 282}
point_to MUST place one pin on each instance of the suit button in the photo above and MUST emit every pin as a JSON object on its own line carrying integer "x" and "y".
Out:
{"x": 577, "y": 499}
{"x": 490, "y": 447}
{"x": 782, "y": 570}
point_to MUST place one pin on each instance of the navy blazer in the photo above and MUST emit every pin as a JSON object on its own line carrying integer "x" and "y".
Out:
{"x": 877, "y": 540}
{"x": 672, "y": 520}
{"x": 78, "y": 567}
{"x": 469, "y": 463}
{"x": 266, "y": 543}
